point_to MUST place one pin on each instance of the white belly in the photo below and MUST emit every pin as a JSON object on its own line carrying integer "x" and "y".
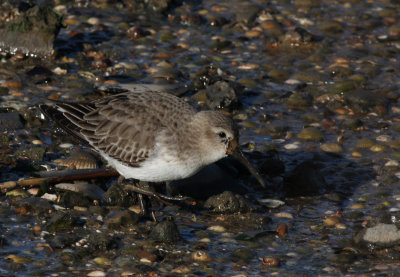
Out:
{"x": 159, "y": 169}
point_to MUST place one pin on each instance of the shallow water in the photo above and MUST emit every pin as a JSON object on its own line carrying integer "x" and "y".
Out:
{"x": 338, "y": 75}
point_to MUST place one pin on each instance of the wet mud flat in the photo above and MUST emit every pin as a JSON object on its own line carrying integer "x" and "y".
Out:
{"x": 313, "y": 85}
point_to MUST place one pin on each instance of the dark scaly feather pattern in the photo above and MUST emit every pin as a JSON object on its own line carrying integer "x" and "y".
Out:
{"x": 123, "y": 126}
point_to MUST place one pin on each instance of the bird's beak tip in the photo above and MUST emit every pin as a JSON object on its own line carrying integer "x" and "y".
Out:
{"x": 237, "y": 154}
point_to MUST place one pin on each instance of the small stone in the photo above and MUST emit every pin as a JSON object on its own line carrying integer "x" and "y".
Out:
{"x": 378, "y": 148}
{"x": 217, "y": 228}
{"x": 270, "y": 261}
{"x": 291, "y": 146}
{"x": 284, "y": 215}
{"x": 145, "y": 255}
{"x": 242, "y": 255}
{"x": 93, "y": 21}
{"x": 183, "y": 269}
{"x": 62, "y": 222}
{"x": 123, "y": 218}
{"x": 310, "y": 133}
{"x": 331, "y": 147}
{"x": 18, "y": 193}
{"x": 365, "y": 143}
{"x": 272, "y": 203}
{"x": 96, "y": 273}
{"x": 201, "y": 256}
{"x": 282, "y": 229}
{"x": 165, "y": 231}
{"x": 227, "y": 202}
{"x": 18, "y": 259}
{"x": 382, "y": 233}
{"x": 357, "y": 206}
{"x": 331, "y": 221}
{"x": 102, "y": 261}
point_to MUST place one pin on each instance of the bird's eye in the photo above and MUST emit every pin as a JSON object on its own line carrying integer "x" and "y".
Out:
{"x": 222, "y": 135}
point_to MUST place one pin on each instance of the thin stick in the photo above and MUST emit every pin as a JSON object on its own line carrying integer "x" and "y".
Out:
{"x": 71, "y": 177}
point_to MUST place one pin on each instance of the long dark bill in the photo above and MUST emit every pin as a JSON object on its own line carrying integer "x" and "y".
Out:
{"x": 237, "y": 154}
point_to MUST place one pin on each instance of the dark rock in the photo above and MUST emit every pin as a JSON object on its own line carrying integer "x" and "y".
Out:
{"x": 277, "y": 129}
{"x": 10, "y": 121}
{"x": 63, "y": 240}
{"x": 3, "y": 241}
{"x": 351, "y": 123}
{"x": 124, "y": 218}
{"x": 165, "y": 231}
{"x": 98, "y": 210}
{"x": 219, "y": 45}
{"x": 364, "y": 100}
{"x": 305, "y": 180}
{"x": 70, "y": 199}
{"x": 117, "y": 195}
{"x": 220, "y": 95}
{"x": 155, "y": 6}
{"x": 70, "y": 257}
{"x": 35, "y": 205}
{"x": 101, "y": 242}
{"x": 62, "y": 222}
{"x": 33, "y": 32}
{"x": 205, "y": 77}
{"x": 40, "y": 75}
{"x": 4, "y": 91}
{"x": 227, "y": 202}
{"x": 245, "y": 11}
{"x": 33, "y": 154}
{"x": 242, "y": 255}
{"x": 343, "y": 257}
{"x": 299, "y": 35}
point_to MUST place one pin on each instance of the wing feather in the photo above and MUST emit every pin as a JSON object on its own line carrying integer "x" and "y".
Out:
{"x": 123, "y": 126}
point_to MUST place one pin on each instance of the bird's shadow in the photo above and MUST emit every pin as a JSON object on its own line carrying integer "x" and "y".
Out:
{"x": 290, "y": 175}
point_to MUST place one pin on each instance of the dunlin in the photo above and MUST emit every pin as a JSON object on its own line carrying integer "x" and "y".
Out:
{"x": 151, "y": 136}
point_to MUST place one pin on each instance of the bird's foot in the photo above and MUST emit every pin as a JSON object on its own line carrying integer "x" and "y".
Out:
{"x": 159, "y": 196}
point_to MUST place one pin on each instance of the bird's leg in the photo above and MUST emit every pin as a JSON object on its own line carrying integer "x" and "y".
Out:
{"x": 141, "y": 200}
{"x": 161, "y": 197}
{"x": 143, "y": 209}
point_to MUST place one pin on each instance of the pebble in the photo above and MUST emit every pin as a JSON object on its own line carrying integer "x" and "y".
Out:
{"x": 378, "y": 148}
{"x": 365, "y": 143}
{"x": 331, "y": 147}
{"x": 59, "y": 71}
{"x": 357, "y": 206}
{"x": 201, "y": 256}
{"x": 79, "y": 160}
{"x": 284, "y": 215}
{"x": 96, "y": 273}
{"x": 271, "y": 203}
{"x": 310, "y": 133}
{"x": 392, "y": 163}
{"x": 270, "y": 261}
{"x": 66, "y": 145}
{"x": 282, "y": 229}
{"x": 50, "y": 197}
{"x": 93, "y": 21}
{"x": 291, "y": 146}
{"x": 331, "y": 221}
{"x": 217, "y": 228}
{"x": 102, "y": 261}
{"x": 183, "y": 269}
